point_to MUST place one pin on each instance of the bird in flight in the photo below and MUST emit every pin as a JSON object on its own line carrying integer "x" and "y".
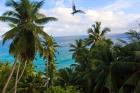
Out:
{"x": 75, "y": 10}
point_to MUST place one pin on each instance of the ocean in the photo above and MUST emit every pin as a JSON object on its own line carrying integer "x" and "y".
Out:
{"x": 63, "y": 55}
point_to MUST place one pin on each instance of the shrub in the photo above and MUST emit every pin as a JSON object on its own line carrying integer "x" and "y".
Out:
{"x": 58, "y": 89}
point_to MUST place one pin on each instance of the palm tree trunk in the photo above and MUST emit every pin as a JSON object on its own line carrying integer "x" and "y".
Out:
{"x": 49, "y": 71}
{"x": 22, "y": 71}
{"x": 17, "y": 78}
{"x": 9, "y": 78}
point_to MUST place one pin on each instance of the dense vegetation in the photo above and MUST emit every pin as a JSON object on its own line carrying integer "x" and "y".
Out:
{"x": 101, "y": 66}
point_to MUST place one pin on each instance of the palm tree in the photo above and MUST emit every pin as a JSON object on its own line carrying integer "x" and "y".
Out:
{"x": 128, "y": 50}
{"x": 67, "y": 77}
{"x": 79, "y": 51}
{"x": 27, "y": 33}
{"x": 132, "y": 84}
{"x": 110, "y": 68}
{"x": 4, "y": 71}
{"x": 82, "y": 57}
{"x": 133, "y": 35}
{"x": 49, "y": 51}
{"x": 103, "y": 56}
{"x": 96, "y": 33}
{"x": 31, "y": 82}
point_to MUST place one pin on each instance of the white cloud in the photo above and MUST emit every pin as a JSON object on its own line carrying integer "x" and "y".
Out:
{"x": 113, "y": 16}
{"x": 122, "y": 4}
{"x": 59, "y": 2}
{"x": 67, "y": 24}
{"x": 3, "y": 28}
{"x": 115, "y": 20}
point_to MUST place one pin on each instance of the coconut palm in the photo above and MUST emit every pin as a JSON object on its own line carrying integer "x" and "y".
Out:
{"x": 4, "y": 71}
{"x": 49, "y": 51}
{"x": 96, "y": 33}
{"x": 31, "y": 82}
{"x": 102, "y": 55}
{"x": 132, "y": 84}
{"x": 110, "y": 68}
{"x": 79, "y": 49}
{"x": 129, "y": 50}
{"x": 27, "y": 33}
{"x": 82, "y": 57}
{"x": 67, "y": 77}
{"x": 133, "y": 35}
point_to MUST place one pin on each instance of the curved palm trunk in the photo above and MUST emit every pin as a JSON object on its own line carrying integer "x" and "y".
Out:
{"x": 17, "y": 78}
{"x": 9, "y": 78}
{"x": 22, "y": 71}
{"x": 49, "y": 71}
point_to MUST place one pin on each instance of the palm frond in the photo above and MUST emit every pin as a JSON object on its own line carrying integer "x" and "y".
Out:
{"x": 37, "y": 6}
{"x": 12, "y": 25}
{"x": 132, "y": 81}
{"x": 12, "y": 3}
{"x": 104, "y": 31}
{"x": 9, "y": 19}
{"x": 11, "y": 13}
{"x": 122, "y": 41}
{"x": 40, "y": 15}
{"x": 39, "y": 31}
{"x": 97, "y": 27}
{"x": 110, "y": 82}
{"x": 134, "y": 35}
{"x": 137, "y": 89}
{"x": 43, "y": 21}
{"x": 90, "y": 31}
{"x": 12, "y": 47}
{"x": 73, "y": 46}
{"x": 10, "y": 34}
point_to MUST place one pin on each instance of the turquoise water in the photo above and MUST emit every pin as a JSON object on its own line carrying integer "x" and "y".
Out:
{"x": 63, "y": 57}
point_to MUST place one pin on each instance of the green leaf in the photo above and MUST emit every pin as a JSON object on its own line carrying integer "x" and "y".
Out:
{"x": 45, "y": 20}
{"x": 9, "y": 19}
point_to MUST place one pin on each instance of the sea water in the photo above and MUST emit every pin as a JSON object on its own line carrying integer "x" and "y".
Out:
{"x": 63, "y": 55}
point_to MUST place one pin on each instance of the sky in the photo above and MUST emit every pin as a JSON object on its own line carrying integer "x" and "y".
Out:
{"x": 119, "y": 15}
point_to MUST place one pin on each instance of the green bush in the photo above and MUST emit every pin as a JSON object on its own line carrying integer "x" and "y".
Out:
{"x": 58, "y": 89}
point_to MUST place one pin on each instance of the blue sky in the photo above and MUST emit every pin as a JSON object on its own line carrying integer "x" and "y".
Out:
{"x": 119, "y": 15}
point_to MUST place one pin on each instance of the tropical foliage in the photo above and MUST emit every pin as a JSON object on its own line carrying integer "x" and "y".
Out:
{"x": 26, "y": 34}
{"x": 101, "y": 65}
